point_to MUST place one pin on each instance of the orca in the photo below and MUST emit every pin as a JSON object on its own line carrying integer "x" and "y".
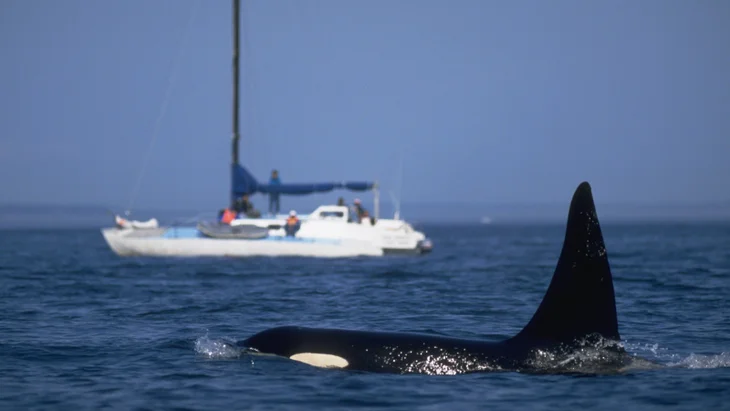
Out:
{"x": 575, "y": 326}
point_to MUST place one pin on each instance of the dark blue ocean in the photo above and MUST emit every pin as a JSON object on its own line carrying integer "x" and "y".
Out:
{"x": 83, "y": 329}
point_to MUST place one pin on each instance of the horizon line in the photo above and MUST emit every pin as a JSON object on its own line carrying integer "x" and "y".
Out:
{"x": 721, "y": 203}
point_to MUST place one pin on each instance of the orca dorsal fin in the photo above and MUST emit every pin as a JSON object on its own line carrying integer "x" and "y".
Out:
{"x": 580, "y": 299}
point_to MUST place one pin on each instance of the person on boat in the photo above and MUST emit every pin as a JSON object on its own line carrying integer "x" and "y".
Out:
{"x": 227, "y": 215}
{"x": 341, "y": 202}
{"x": 274, "y": 197}
{"x": 292, "y": 224}
{"x": 360, "y": 211}
{"x": 245, "y": 207}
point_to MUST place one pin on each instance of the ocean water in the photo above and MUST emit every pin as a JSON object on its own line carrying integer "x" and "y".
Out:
{"x": 83, "y": 329}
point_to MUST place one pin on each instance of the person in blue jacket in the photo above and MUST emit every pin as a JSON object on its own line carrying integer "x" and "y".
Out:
{"x": 274, "y": 197}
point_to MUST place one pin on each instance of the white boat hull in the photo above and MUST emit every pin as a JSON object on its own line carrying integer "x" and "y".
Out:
{"x": 321, "y": 235}
{"x": 137, "y": 243}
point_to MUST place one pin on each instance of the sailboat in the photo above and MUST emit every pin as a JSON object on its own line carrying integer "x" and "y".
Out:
{"x": 328, "y": 231}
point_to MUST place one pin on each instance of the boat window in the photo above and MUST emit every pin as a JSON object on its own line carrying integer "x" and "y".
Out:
{"x": 331, "y": 214}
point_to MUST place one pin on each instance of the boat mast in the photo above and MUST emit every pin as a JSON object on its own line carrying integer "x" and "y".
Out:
{"x": 236, "y": 135}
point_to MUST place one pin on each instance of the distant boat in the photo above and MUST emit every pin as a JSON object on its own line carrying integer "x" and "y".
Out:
{"x": 329, "y": 231}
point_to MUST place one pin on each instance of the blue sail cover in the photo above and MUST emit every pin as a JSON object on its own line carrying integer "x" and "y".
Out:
{"x": 242, "y": 182}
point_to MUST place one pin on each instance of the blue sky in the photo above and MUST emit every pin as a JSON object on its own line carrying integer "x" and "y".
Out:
{"x": 484, "y": 101}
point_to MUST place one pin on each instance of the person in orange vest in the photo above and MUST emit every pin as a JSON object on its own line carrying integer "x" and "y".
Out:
{"x": 227, "y": 216}
{"x": 292, "y": 224}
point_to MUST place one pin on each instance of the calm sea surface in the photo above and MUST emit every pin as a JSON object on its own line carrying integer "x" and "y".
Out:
{"x": 82, "y": 329}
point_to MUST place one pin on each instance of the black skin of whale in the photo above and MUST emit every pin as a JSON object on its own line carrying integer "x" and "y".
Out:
{"x": 578, "y": 310}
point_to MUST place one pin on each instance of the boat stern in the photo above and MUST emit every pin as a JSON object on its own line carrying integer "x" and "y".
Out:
{"x": 425, "y": 246}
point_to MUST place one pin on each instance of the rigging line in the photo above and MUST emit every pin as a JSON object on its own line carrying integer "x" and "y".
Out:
{"x": 163, "y": 107}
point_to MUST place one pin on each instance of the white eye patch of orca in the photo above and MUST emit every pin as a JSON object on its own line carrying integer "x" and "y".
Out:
{"x": 320, "y": 360}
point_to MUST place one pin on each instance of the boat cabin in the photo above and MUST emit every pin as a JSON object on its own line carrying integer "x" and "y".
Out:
{"x": 330, "y": 213}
